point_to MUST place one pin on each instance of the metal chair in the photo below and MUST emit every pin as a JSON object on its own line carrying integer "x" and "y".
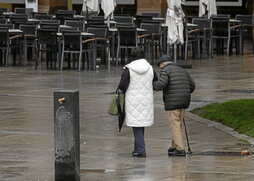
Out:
{"x": 10, "y": 43}
{"x": 222, "y": 30}
{"x": 29, "y": 40}
{"x": 247, "y": 27}
{"x": 102, "y": 41}
{"x": 4, "y": 45}
{"x": 72, "y": 44}
{"x": 191, "y": 35}
{"x": 48, "y": 42}
{"x": 127, "y": 39}
{"x": 155, "y": 39}
{"x": 204, "y": 26}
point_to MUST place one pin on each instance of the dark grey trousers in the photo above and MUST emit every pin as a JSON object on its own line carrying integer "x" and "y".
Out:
{"x": 139, "y": 143}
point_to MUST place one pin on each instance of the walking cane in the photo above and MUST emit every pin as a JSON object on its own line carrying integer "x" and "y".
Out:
{"x": 189, "y": 149}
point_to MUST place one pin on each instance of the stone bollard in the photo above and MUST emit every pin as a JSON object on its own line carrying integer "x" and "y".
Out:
{"x": 66, "y": 135}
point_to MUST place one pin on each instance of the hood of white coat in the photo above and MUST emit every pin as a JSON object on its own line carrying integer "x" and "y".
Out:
{"x": 140, "y": 66}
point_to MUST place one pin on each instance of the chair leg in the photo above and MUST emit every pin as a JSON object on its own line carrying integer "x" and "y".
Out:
{"x": 62, "y": 58}
{"x": 79, "y": 59}
{"x": 198, "y": 42}
{"x": 117, "y": 55}
{"x": 186, "y": 50}
{"x": 228, "y": 46}
{"x": 108, "y": 55}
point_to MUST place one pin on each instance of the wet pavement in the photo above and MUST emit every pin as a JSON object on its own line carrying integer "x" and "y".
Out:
{"x": 26, "y": 126}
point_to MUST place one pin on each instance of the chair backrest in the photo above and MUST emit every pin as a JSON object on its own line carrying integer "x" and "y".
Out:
{"x": 4, "y": 35}
{"x": 220, "y": 15}
{"x": 4, "y": 9}
{"x": 202, "y": 23}
{"x": 18, "y": 21}
{"x": 127, "y": 36}
{"x": 151, "y": 27}
{"x": 246, "y": 19}
{"x": 89, "y": 14}
{"x": 28, "y": 29}
{"x": 95, "y": 22}
{"x": 220, "y": 26}
{"x": 35, "y": 13}
{"x": 24, "y": 16}
{"x": 47, "y": 36}
{"x": 78, "y": 24}
{"x": 73, "y": 12}
{"x": 43, "y": 16}
{"x": 97, "y": 17}
{"x": 49, "y": 26}
{"x": 72, "y": 38}
{"x": 151, "y": 14}
{"x": 123, "y": 19}
{"x": 99, "y": 32}
{"x": 20, "y": 10}
{"x": 8, "y": 26}
{"x": 61, "y": 29}
{"x": 188, "y": 19}
{"x": 62, "y": 16}
{"x": 53, "y": 21}
{"x": 126, "y": 24}
{"x": 141, "y": 18}
{"x": 3, "y": 21}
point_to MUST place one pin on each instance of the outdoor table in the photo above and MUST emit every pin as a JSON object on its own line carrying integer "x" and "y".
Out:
{"x": 34, "y": 20}
{"x": 15, "y": 31}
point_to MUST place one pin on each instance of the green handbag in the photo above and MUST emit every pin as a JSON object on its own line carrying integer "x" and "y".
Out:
{"x": 116, "y": 103}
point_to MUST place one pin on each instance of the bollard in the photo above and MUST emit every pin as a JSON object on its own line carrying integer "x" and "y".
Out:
{"x": 66, "y": 135}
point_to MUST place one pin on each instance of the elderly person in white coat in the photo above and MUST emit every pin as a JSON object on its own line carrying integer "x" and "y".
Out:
{"x": 137, "y": 83}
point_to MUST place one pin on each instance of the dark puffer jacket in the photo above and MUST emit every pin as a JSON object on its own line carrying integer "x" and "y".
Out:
{"x": 177, "y": 86}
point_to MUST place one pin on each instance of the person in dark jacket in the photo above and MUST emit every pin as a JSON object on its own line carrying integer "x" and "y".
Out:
{"x": 177, "y": 86}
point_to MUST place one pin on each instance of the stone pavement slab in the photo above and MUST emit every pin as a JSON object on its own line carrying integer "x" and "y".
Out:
{"x": 26, "y": 126}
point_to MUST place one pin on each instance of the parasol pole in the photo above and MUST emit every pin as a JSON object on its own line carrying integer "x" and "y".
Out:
{"x": 175, "y": 52}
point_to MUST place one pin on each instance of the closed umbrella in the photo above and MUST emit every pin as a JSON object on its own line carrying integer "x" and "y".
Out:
{"x": 174, "y": 22}
{"x": 209, "y": 6}
{"x": 90, "y": 5}
{"x": 108, "y": 7}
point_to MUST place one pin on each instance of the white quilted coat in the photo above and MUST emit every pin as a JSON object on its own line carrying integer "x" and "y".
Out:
{"x": 139, "y": 107}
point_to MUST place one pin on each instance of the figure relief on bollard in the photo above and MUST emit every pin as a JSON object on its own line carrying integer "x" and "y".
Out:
{"x": 66, "y": 136}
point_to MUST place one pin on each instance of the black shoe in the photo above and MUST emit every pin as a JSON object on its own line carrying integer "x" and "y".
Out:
{"x": 171, "y": 149}
{"x": 177, "y": 153}
{"x": 136, "y": 154}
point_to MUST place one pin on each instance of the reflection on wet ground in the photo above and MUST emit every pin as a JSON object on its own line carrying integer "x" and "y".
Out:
{"x": 26, "y": 126}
